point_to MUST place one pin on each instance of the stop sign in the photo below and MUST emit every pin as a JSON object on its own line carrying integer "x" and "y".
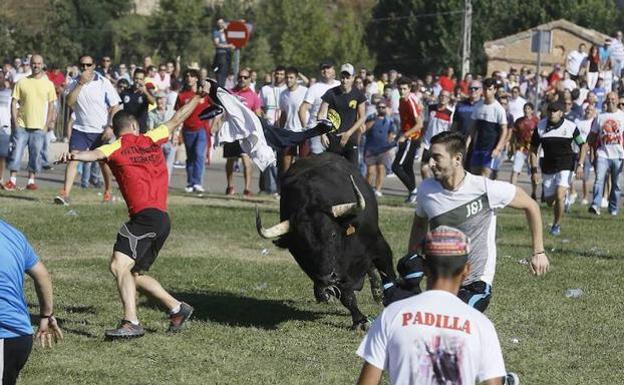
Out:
{"x": 237, "y": 33}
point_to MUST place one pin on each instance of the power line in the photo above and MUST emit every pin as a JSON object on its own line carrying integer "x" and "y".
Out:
{"x": 416, "y": 16}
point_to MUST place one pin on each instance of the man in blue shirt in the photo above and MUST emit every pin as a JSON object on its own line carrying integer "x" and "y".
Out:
{"x": 379, "y": 129}
{"x": 16, "y": 333}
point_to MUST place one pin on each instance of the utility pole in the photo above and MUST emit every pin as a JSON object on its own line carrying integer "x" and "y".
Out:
{"x": 467, "y": 33}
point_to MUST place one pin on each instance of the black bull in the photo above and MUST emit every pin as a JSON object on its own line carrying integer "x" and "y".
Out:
{"x": 329, "y": 223}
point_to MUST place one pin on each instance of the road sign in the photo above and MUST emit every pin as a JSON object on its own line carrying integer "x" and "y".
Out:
{"x": 237, "y": 33}
{"x": 541, "y": 41}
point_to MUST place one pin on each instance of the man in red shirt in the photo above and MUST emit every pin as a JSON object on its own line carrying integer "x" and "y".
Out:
{"x": 411, "y": 130}
{"x": 446, "y": 80}
{"x": 521, "y": 136}
{"x": 233, "y": 151}
{"x": 195, "y": 133}
{"x": 138, "y": 164}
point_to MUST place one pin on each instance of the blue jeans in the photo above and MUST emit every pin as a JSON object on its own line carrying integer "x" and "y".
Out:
{"x": 602, "y": 166}
{"x": 45, "y": 162}
{"x": 169, "y": 153}
{"x": 90, "y": 172}
{"x": 31, "y": 138}
{"x": 195, "y": 143}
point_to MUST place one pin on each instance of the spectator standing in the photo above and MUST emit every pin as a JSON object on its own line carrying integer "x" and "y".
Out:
{"x": 415, "y": 351}
{"x": 446, "y": 80}
{"x": 162, "y": 79}
{"x": 233, "y": 151}
{"x": 194, "y": 133}
{"x": 488, "y": 134}
{"x": 516, "y": 104}
{"x": 408, "y": 139}
{"x": 584, "y": 125}
{"x": 221, "y": 61}
{"x": 122, "y": 73}
{"x": 157, "y": 117}
{"x": 379, "y": 130}
{"x": 105, "y": 69}
{"x": 289, "y": 104}
{"x": 5, "y": 125}
{"x": 606, "y": 138}
{"x": 574, "y": 61}
{"x": 521, "y": 138}
{"x": 137, "y": 99}
{"x": 94, "y": 101}
{"x": 462, "y": 117}
{"x": 592, "y": 67}
{"x": 312, "y": 101}
{"x": 349, "y": 104}
{"x": 35, "y": 96}
{"x": 440, "y": 120}
{"x": 16, "y": 333}
{"x": 270, "y": 95}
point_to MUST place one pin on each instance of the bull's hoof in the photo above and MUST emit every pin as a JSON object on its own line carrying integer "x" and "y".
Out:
{"x": 362, "y": 325}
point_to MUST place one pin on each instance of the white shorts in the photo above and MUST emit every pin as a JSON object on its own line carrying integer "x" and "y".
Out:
{"x": 519, "y": 161}
{"x": 550, "y": 182}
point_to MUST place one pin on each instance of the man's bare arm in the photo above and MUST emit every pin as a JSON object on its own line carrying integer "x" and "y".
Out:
{"x": 14, "y": 111}
{"x": 49, "y": 124}
{"x": 184, "y": 112}
{"x": 82, "y": 156}
{"x": 48, "y": 327}
{"x": 370, "y": 375}
{"x": 420, "y": 225}
{"x": 303, "y": 113}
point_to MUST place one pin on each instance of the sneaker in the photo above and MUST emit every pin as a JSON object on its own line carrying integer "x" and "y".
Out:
{"x": 614, "y": 213}
{"x": 177, "y": 320}
{"x": 230, "y": 191}
{"x": 378, "y": 193}
{"x": 198, "y": 188}
{"x": 107, "y": 198}
{"x": 411, "y": 199}
{"x": 62, "y": 199}
{"x": 276, "y": 196}
{"x": 9, "y": 186}
{"x": 594, "y": 210}
{"x": 179, "y": 165}
{"x": 604, "y": 203}
{"x": 188, "y": 189}
{"x": 31, "y": 186}
{"x": 511, "y": 379}
{"x": 573, "y": 198}
{"x": 555, "y": 230}
{"x": 126, "y": 329}
{"x": 247, "y": 193}
{"x": 584, "y": 202}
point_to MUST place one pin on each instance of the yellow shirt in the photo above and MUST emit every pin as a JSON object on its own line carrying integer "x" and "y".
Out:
{"x": 33, "y": 96}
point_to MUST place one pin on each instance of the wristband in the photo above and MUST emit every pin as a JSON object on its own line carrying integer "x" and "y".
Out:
{"x": 539, "y": 252}
{"x": 47, "y": 316}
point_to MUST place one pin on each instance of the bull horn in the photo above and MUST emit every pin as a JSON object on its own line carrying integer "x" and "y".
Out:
{"x": 346, "y": 208}
{"x": 272, "y": 232}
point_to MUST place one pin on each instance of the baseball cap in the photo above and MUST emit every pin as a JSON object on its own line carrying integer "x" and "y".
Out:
{"x": 326, "y": 63}
{"x": 556, "y": 106}
{"x": 445, "y": 241}
{"x": 348, "y": 68}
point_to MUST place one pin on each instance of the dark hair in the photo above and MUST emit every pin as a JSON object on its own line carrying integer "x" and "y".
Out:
{"x": 193, "y": 72}
{"x": 444, "y": 266}
{"x": 489, "y": 82}
{"x": 279, "y": 68}
{"x": 292, "y": 70}
{"x": 123, "y": 81}
{"x": 139, "y": 71}
{"x": 404, "y": 80}
{"x": 151, "y": 68}
{"x": 455, "y": 142}
{"x": 121, "y": 121}
{"x": 529, "y": 104}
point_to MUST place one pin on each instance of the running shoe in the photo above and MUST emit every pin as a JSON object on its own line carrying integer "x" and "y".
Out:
{"x": 378, "y": 193}
{"x": 9, "y": 186}
{"x": 593, "y": 209}
{"x": 177, "y": 320}
{"x": 555, "y": 230}
{"x": 511, "y": 379}
{"x": 126, "y": 329}
{"x": 247, "y": 193}
{"x": 198, "y": 188}
{"x": 188, "y": 189}
{"x": 31, "y": 186}
{"x": 62, "y": 199}
{"x": 230, "y": 191}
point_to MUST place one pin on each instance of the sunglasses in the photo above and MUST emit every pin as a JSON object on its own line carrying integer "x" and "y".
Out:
{"x": 86, "y": 64}
{"x": 474, "y": 88}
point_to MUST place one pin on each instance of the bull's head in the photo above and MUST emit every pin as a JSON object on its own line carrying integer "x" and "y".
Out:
{"x": 317, "y": 239}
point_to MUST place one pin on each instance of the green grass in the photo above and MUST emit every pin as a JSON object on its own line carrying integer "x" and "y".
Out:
{"x": 256, "y": 320}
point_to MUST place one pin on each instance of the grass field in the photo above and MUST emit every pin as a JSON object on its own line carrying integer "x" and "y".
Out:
{"x": 256, "y": 320}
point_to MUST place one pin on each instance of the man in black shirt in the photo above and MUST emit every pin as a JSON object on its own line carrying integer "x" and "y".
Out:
{"x": 555, "y": 135}
{"x": 137, "y": 99}
{"x": 345, "y": 107}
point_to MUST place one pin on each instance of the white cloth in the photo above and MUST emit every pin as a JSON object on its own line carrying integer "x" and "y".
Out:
{"x": 242, "y": 124}
{"x": 94, "y": 100}
{"x": 569, "y": 84}
{"x": 290, "y": 101}
{"x": 270, "y": 97}
{"x": 433, "y": 329}
{"x": 573, "y": 64}
{"x": 5, "y": 110}
{"x": 472, "y": 209}
{"x": 609, "y": 126}
{"x": 550, "y": 182}
{"x": 516, "y": 107}
{"x": 313, "y": 98}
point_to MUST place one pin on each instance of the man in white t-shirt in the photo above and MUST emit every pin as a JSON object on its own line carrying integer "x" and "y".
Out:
{"x": 516, "y": 104}
{"x": 575, "y": 60}
{"x": 270, "y": 95}
{"x": 5, "y": 124}
{"x": 312, "y": 102}
{"x": 289, "y": 104}
{"x": 94, "y": 100}
{"x": 435, "y": 338}
{"x": 454, "y": 197}
{"x": 606, "y": 137}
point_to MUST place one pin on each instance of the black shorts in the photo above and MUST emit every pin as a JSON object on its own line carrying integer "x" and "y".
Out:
{"x": 142, "y": 237}
{"x": 232, "y": 150}
{"x": 476, "y": 294}
{"x": 14, "y": 353}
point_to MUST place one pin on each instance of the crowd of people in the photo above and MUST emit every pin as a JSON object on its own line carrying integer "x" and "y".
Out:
{"x": 116, "y": 118}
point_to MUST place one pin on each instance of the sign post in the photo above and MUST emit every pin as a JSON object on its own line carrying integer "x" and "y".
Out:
{"x": 541, "y": 42}
{"x": 237, "y": 33}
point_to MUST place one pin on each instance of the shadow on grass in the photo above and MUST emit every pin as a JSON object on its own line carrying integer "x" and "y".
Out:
{"x": 19, "y": 197}
{"x": 236, "y": 310}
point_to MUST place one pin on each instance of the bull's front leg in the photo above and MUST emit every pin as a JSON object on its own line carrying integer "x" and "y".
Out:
{"x": 348, "y": 300}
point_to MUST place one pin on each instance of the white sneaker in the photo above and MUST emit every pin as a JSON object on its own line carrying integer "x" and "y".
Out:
{"x": 198, "y": 188}
{"x": 188, "y": 189}
{"x": 584, "y": 202}
{"x": 604, "y": 203}
{"x": 378, "y": 193}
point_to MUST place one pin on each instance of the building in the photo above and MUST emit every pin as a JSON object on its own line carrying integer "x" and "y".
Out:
{"x": 515, "y": 50}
